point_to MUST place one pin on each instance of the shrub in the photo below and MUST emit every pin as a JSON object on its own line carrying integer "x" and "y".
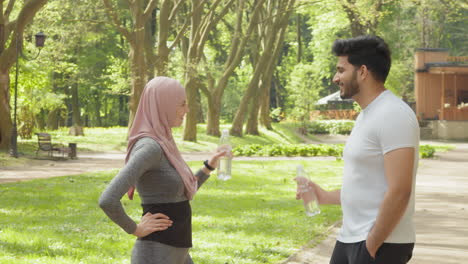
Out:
{"x": 426, "y": 151}
{"x": 333, "y": 127}
{"x": 289, "y": 150}
{"x": 307, "y": 150}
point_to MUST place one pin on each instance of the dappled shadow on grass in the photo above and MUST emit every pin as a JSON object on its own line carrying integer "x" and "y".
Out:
{"x": 20, "y": 248}
{"x": 256, "y": 214}
{"x": 258, "y": 206}
{"x": 251, "y": 218}
{"x": 59, "y": 218}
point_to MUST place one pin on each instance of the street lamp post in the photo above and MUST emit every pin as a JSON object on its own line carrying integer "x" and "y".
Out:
{"x": 40, "y": 39}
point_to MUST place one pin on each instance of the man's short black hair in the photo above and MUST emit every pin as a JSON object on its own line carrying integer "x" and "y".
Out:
{"x": 371, "y": 51}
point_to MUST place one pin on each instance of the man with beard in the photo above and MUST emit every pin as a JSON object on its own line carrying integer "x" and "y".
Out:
{"x": 380, "y": 160}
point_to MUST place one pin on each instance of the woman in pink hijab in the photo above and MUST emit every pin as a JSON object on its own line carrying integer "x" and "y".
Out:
{"x": 165, "y": 183}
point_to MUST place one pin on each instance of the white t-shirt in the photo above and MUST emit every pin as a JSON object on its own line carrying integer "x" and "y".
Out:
{"x": 386, "y": 124}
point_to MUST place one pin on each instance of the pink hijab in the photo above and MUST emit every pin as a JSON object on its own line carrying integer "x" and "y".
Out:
{"x": 154, "y": 117}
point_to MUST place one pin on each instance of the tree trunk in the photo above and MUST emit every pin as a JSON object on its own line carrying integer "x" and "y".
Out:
{"x": 138, "y": 77}
{"x": 265, "y": 118}
{"x": 235, "y": 56}
{"x": 6, "y": 124}
{"x": 40, "y": 120}
{"x": 239, "y": 118}
{"x": 190, "y": 131}
{"x": 8, "y": 57}
{"x": 214, "y": 111}
{"x": 76, "y": 117}
{"x": 150, "y": 56}
{"x": 252, "y": 120}
{"x": 97, "y": 110}
{"x": 122, "y": 110}
{"x": 76, "y": 129}
{"x": 272, "y": 39}
{"x": 238, "y": 122}
{"x": 141, "y": 13}
{"x": 299, "y": 38}
{"x": 268, "y": 76}
{"x": 191, "y": 81}
{"x": 53, "y": 119}
{"x": 201, "y": 25}
{"x": 162, "y": 57}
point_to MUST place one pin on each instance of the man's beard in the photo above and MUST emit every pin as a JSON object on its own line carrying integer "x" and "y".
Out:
{"x": 352, "y": 89}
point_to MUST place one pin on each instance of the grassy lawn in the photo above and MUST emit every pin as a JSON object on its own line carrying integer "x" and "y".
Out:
{"x": 252, "y": 218}
{"x": 115, "y": 138}
{"x": 443, "y": 148}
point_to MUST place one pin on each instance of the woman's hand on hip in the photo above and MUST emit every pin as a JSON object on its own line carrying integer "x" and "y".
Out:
{"x": 151, "y": 223}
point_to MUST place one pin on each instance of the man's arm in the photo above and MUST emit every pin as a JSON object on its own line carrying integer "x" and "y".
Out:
{"x": 323, "y": 197}
{"x": 331, "y": 197}
{"x": 399, "y": 174}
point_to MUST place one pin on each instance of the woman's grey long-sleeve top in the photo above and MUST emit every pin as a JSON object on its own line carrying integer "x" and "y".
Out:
{"x": 156, "y": 181}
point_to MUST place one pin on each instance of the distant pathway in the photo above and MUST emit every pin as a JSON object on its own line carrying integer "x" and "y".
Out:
{"x": 92, "y": 162}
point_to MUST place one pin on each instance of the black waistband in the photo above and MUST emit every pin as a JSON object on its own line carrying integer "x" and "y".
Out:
{"x": 180, "y": 233}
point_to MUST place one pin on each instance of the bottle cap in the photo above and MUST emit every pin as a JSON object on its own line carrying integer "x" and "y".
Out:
{"x": 300, "y": 170}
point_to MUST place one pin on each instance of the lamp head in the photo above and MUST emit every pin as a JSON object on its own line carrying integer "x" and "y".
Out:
{"x": 40, "y": 39}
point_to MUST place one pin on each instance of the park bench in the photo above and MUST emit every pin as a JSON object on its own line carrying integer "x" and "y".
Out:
{"x": 44, "y": 141}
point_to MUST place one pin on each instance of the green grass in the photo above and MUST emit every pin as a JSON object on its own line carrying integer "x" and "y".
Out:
{"x": 282, "y": 133}
{"x": 98, "y": 139}
{"x": 443, "y": 148}
{"x": 94, "y": 139}
{"x": 252, "y": 218}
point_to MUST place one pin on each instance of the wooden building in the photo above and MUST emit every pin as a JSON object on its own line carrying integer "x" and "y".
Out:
{"x": 441, "y": 85}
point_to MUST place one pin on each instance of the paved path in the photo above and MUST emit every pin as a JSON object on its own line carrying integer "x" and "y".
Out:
{"x": 91, "y": 162}
{"x": 441, "y": 216}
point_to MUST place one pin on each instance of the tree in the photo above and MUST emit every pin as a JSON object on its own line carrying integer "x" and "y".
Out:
{"x": 82, "y": 45}
{"x": 201, "y": 25}
{"x": 363, "y": 15}
{"x": 135, "y": 35}
{"x": 11, "y": 31}
{"x": 216, "y": 88}
{"x": 271, "y": 32}
{"x": 167, "y": 20}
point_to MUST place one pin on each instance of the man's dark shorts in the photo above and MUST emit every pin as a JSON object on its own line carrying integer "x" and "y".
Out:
{"x": 356, "y": 253}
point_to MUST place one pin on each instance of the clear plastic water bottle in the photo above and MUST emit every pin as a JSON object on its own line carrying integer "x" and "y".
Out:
{"x": 306, "y": 192}
{"x": 224, "y": 165}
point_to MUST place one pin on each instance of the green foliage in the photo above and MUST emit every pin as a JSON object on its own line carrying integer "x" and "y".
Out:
{"x": 356, "y": 107}
{"x": 443, "y": 148}
{"x": 304, "y": 150}
{"x": 84, "y": 50}
{"x": 117, "y": 75}
{"x": 81, "y": 50}
{"x": 246, "y": 220}
{"x": 309, "y": 150}
{"x": 303, "y": 91}
{"x": 327, "y": 22}
{"x": 276, "y": 115}
{"x": 26, "y": 127}
{"x": 426, "y": 151}
{"x": 333, "y": 127}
